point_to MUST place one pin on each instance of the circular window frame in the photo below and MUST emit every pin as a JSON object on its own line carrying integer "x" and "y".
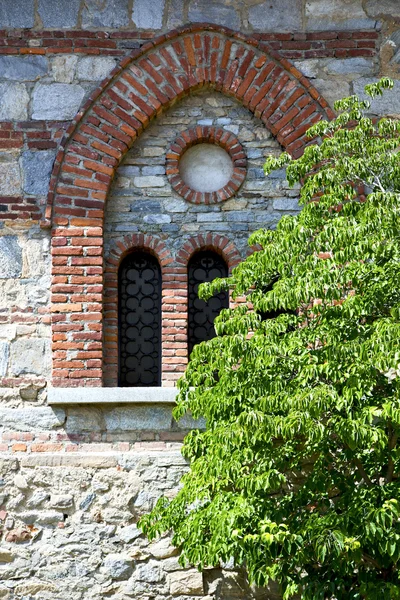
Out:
{"x": 206, "y": 135}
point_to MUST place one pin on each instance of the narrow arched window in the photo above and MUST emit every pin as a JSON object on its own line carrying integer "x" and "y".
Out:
{"x": 204, "y": 266}
{"x": 139, "y": 315}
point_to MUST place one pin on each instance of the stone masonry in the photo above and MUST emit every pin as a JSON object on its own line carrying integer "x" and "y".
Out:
{"x": 93, "y": 96}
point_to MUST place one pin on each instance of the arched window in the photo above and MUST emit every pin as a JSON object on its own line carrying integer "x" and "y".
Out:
{"x": 139, "y": 314}
{"x": 204, "y": 266}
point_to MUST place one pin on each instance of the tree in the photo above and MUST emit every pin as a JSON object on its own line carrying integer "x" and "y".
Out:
{"x": 297, "y": 474}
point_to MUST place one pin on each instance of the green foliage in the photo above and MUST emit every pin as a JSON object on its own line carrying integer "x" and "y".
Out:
{"x": 297, "y": 474}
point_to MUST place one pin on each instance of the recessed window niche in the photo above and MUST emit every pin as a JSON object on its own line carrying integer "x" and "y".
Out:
{"x": 206, "y": 165}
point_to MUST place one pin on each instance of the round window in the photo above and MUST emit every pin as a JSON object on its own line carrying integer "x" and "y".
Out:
{"x": 206, "y": 165}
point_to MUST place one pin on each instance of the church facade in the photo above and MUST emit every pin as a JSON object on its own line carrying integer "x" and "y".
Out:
{"x": 132, "y": 141}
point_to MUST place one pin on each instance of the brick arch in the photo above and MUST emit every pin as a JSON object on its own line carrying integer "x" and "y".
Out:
{"x": 112, "y": 260}
{"x": 146, "y": 83}
{"x": 211, "y": 241}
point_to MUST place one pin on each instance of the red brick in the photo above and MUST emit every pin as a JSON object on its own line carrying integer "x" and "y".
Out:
{"x": 46, "y": 447}
{"x": 19, "y": 448}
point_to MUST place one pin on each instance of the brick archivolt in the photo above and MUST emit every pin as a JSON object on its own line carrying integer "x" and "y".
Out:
{"x": 145, "y": 84}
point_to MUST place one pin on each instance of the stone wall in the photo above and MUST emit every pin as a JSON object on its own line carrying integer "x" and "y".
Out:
{"x": 75, "y": 476}
{"x": 250, "y": 15}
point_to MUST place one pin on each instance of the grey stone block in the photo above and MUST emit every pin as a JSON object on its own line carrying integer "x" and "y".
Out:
{"x": 8, "y": 331}
{"x": 145, "y": 206}
{"x": 138, "y": 418}
{"x": 16, "y": 13}
{"x": 254, "y": 153}
{"x": 127, "y": 227}
{"x": 56, "y": 101}
{"x": 175, "y": 14}
{"x": 41, "y": 517}
{"x": 166, "y": 458}
{"x": 163, "y": 549}
{"x": 95, "y": 68}
{"x": 170, "y": 227}
{"x": 129, "y": 533}
{"x": 149, "y": 572}
{"x": 332, "y": 89}
{"x": 152, "y": 151}
{"x": 149, "y": 181}
{"x": 14, "y": 101}
{"x": 239, "y": 227}
{"x": 63, "y": 68}
{"x": 186, "y": 582}
{"x": 215, "y": 12}
{"x": 30, "y": 356}
{"x": 119, "y": 567}
{"x": 148, "y": 15}
{"x": 157, "y": 170}
{"x": 233, "y": 128}
{"x": 383, "y": 8}
{"x": 84, "y": 419}
{"x": 10, "y": 257}
{"x": 238, "y": 216}
{"x": 336, "y": 14}
{"x": 286, "y": 204}
{"x": 175, "y": 205}
{"x": 207, "y": 217}
{"x": 350, "y": 66}
{"x": 388, "y": 104}
{"x": 95, "y": 461}
{"x": 187, "y": 422}
{"x": 128, "y": 171}
{"x": 37, "y": 167}
{"x": 394, "y": 43}
{"x": 285, "y": 15}
{"x": 254, "y": 173}
{"x": 309, "y": 66}
{"x": 4, "y": 354}
{"x": 61, "y": 500}
{"x": 108, "y": 13}
{"x": 87, "y": 501}
{"x": 23, "y": 68}
{"x": 157, "y": 219}
{"x": 58, "y": 13}
{"x": 10, "y": 176}
{"x": 29, "y": 419}
{"x": 37, "y": 498}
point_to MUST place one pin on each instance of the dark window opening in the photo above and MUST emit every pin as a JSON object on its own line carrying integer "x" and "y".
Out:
{"x": 204, "y": 266}
{"x": 139, "y": 315}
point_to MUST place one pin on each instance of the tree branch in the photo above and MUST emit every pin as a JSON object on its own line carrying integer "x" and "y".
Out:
{"x": 371, "y": 561}
{"x": 362, "y": 472}
{"x": 393, "y": 436}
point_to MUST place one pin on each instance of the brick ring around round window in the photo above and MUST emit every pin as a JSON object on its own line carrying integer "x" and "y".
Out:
{"x": 231, "y": 174}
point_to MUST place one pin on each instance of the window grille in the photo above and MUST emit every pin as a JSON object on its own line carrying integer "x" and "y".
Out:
{"x": 139, "y": 314}
{"x": 204, "y": 266}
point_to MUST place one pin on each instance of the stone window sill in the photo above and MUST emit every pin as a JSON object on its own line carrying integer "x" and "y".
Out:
{"x": 114, "y": 395}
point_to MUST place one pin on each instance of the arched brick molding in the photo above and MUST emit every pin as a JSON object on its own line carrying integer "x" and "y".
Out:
{"x": 211, "y": 241}
{"x": 146, "y": 83}
{"x": 170, "y": 301}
